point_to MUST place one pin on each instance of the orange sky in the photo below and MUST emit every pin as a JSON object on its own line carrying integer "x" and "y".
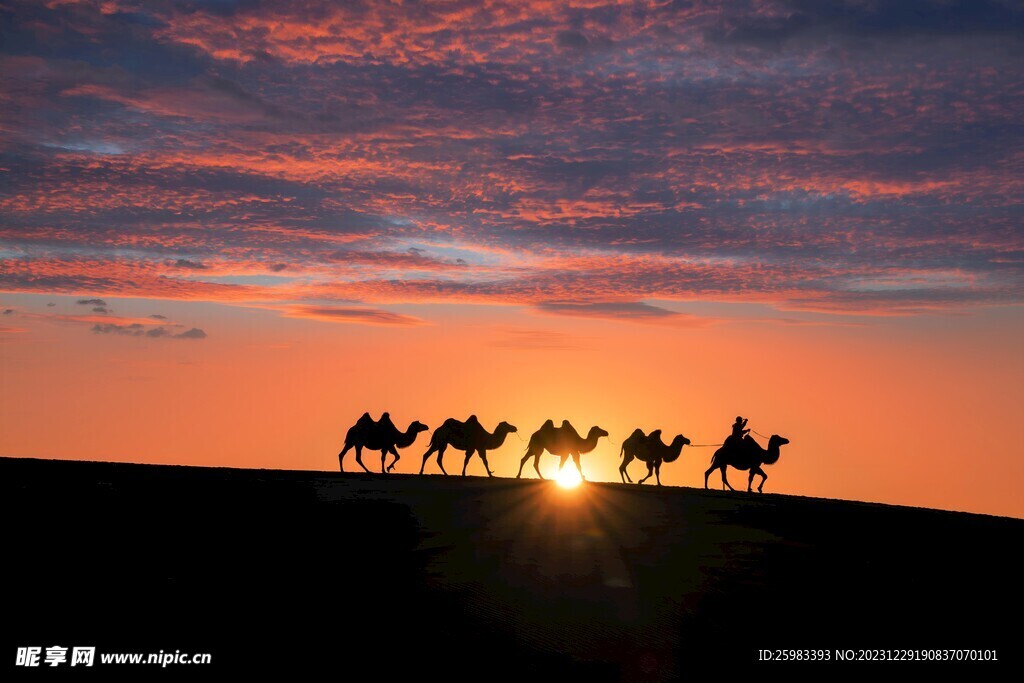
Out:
{"x": 915, "y": 411}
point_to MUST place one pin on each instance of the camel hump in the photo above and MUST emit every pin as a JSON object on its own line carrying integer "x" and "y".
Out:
{"x": 567, "y": 428}
{"x": 638, "y": 434}
{"x": 547, "y": 426}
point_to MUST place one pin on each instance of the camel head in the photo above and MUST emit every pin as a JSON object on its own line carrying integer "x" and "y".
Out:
{"x": 773, "y": 449}
{"x": 505, "y": 428}
{"x": 416, "y": 427}
{"x": 675, "y": 449}
{"x": 680, "y": 441}
{"x": 596, "y": 433}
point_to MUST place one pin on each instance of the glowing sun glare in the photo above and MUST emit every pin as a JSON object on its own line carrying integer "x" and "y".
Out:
{"x": 568, "y": 478}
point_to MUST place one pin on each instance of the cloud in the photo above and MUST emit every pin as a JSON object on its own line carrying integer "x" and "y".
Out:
{"x": 91, "y": 302}
{"x": 132, "y": 329}
{"x": 140, "y": 330}
{"x": 157, "y": 316}
{"x": 100, "y": 309}
{"x": 572, "y": 39}
{"x": 189, "y": 265}
{"x": 630, "y": 311}
{"x": 359, "y": 316}
{"x": 8, "y": 311}
{"x": 193, "y": 333}
{"x": 786, "y": 21}
{"x": 841, "y": 156}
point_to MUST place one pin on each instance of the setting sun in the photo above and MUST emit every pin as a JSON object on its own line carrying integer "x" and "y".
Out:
{"x": 568, "y": 478}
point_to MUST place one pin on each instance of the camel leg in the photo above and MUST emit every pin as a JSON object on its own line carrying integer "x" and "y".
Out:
{"x": 764, "y": 478}
{"x": 561, "y": 462}
{"x": 522, "y": 462}
{"x": 469, "y": 454}
{"x": 725, "y": 482}
{"x": 483, "y": 456}
{"x": 394, "y": 462}
{"x": 426, "y": 456}
{"x": 650, "y": 471}
{"x": 750, "y": 479}
{"x": 359, "y": 459}
{"x": 440, "y": 459}
{"x": 579, "y": 468}
{"x": 657, "y": 472}
{"x": 341, "y": 456}
{"x": 536, "y": 465}
{"x": 707, "y": 474}
{"x": 622, "y": 469}
{"x": 383, "y": 457}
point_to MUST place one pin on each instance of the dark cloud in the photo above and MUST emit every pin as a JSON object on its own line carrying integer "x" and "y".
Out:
{"x": 140, "y": 330}
{"x": 8, "y": 311}
{"x": 189, "y": 265}
{"x": 791, "y": 20}
{"x": 194, "y": 333}
{"x": 132, "y": 329}
{"x": 100, "y": 309}
{"x": 157, "y": 316}
{"x": 572, "y": 39}
{"x": 278, "y": 267}
{"x": 91, "y": 302}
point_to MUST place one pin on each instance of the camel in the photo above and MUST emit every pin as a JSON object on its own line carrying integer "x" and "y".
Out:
{"x": 468, "y": 436}
{"x": 380, "y": 436}
{"x": 746, "y": 454}
{"x": 561, "y": 441}
{"x": 650, "y": 450}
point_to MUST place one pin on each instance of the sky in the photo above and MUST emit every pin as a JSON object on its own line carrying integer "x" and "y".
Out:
{"x": 229, "y": 228}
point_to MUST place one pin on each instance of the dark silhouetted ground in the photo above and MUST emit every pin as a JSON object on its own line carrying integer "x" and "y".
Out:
{"x": 408, "y": 576}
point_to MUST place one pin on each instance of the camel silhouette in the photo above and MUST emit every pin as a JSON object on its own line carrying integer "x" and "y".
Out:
{"x": 746, "y": 454}
{"x": 561, "y": 441}
{"x": 650, "y": 450}
{"x": 382, "y": 436}
{"x": 468, "y": 436}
